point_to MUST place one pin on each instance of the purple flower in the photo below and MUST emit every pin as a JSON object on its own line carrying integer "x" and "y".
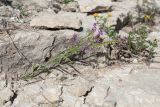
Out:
{"x": 99, "y": 33}
{"x": 99, "y": 40}
{"x": 124, "y": 38}
{"x": 74, "y": 39}
{"x": 94, "y": 27}
{"x": 85, "y": 47}
{"x": 149, "y": 30}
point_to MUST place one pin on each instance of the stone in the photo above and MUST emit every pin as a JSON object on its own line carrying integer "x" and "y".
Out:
{"x": 40, "y": 3}
{"x": 28, "y": 96}
{"x": 87, "y": 21}
{"x": 80, "y": 86}
{"x": 55, "y": 5}
{"x": 157, "y": 3}
{"x": 94, "y": 5}
{"x": 155, "y": 64}
{"x": 154, "y": 35}
{"x": 3, "y": 23}
{"x": 5, "y": 95}
{"x": 2, "y": 84}
{"x": 135, "y": 61}
{"x": 31, "y": 7}
{"x": 109, "y": 104}
{"x": 71, "y": 7}
{"x": 95, "y": 97}
{"x": 122, "y": 13}
{"x": 43, "y": 93}
{"x": 6, "y": 11}
{"x": 72, "y": 101}
{"x": 52, "y": 93}
{"x": 152, "y": 3}
{"x": 134, "y": 89}
{"x": 6, "y": 2}
{"x": 33, "y": 45}
{"x": 58, "y": 21}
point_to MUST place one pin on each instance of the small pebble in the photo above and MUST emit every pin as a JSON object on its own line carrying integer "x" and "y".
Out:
{"x": 135, "y": 61}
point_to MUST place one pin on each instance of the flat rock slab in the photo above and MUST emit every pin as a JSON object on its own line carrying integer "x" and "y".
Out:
{"x": 94, "y": 5}
{"x": 54, "y": 21}
{"x": 41, "y": 3}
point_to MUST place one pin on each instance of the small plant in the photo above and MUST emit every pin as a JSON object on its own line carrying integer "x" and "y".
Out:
{"x": 67, "y": 1}
{"x": 23, "y": 11}
{"x": 138, "y": 43}
{"x": 97, "y": 37}
{"x": 100, "y": 36}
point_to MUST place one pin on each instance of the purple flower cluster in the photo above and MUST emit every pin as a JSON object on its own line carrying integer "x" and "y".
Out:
{"x": 84, "y": 48}
{"x": 97, "y": 38}
{"x": 123, "y": 38}
{"x": 74, "y": 39}
{"x": 87, "y": 42}
{"x": 97, "y": 33}
{"x": 94, "y": 27}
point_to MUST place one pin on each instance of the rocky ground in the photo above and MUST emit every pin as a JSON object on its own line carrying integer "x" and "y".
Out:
{"x": 33, "y": 31}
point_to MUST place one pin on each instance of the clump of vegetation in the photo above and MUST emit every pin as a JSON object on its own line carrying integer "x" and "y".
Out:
{"x": 136, "y": 44}
{"x": 23, "y": 11}
{"x": 137, "y": 41}
{"x": 67, "y": 1}
{"x": 100, "y": 36}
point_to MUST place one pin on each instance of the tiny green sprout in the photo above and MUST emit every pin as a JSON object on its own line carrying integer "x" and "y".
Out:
{"x": 68, "y": 1}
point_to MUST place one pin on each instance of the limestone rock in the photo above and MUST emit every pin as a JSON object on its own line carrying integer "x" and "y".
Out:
{"x": 80, "y": 86}
{"x": 60, "y": 20}
{"x": 71, "y": 7}
{"x": 41, "y": 3}
{"x": 33, "y": 46}
{"x": 6, "y": 11}
{"x": 33, "y": 95}
{"x": 121, "y": 10}
{"x": 95, "y": 97}
{"x": 155, "y": 36}
{"x": 157, "y": 2}
{"x": 87, "y": 21}
{"x": 94, "y": 5}
{"x": 5, "y": 96}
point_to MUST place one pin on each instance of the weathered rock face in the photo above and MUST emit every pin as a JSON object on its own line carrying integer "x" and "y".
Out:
{"x": 121, "y": 11}
{"x": 60, "y": 21}
{"x": 71, "y": 7}
{"x": 6, "y": 94}
{"x": 31, "y": 3}
{"x": 81, "y": 83}
{"x": 87, "y": 21}
{"x": 157, "y": 2}
{"x": 41, "y": 3}
{"x": 7, "y": 11}
{"x": 30, "y": 47}
{"x": 94, "y": 5}
{"x": 34, "y": 95}
{"x": 130, "y": 85}
{"x": 117, "y": 86}
{"x": 135, "y": 89}
{"x": 153, "y": 36}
